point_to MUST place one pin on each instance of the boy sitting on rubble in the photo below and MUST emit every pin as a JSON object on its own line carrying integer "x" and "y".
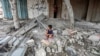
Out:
{"x": 49, "y": 32}
{"x": 49, "y": 35}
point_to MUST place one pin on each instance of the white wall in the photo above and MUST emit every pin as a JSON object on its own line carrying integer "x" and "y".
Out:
{"x": 35, "y": 8}
{"x": 1, "y": 11}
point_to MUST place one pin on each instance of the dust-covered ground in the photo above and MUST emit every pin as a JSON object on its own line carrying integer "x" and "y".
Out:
{"x": 83, "y": 40}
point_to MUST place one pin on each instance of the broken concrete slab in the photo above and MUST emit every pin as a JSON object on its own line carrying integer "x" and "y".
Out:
{"x": 69, "y": 32}
{"x": 41, "y": 17}
{"x": 48, "y": 49}
{"x": 30, "y": 42}
{"x": 94, "y": 37}
{"x": 87, "y": 25}
{"x": 59, "y": 45}
{"x": 71, "y": 51}
{"x": 30, "y": 25}
{"x": 21, "y": 31}
{"x": 4, "y": 40}
{"x": 40, "y": 52}
{"x": 26, "y": 28}
{"x": 20, "y": 51}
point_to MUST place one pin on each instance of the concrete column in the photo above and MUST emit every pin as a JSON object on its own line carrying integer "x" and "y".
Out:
{"x": 90, "y": 10}
{"x": 95, "y": 13}
{"x": 13, "y": 4}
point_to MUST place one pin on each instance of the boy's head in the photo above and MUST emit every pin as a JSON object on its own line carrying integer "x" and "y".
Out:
{"x": 50, "y": 26}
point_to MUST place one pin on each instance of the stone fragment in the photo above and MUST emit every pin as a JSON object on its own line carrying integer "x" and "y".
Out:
{"x": 53, "y": 50}
{"x": 55, "y": 32}
{"x": 68, "y": 32}
{"x": 48, "y": 49}
{"x": 99, "y": 43}
{"x": 72, "y": 40}
{"x": 94, "y": 37}
{"x": 71, "y": 51}
{"x": 45, "y": 42}
{"x": 40, "y": 52}
{"x": 80, "y": 43}
{"x": 30, "y": 42}
{"x": 59, "y": 46}
{"x": 65, "y": 32}
{"x": 95, "y": 52}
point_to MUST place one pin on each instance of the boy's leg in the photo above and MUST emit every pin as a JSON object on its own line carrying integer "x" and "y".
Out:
{"x": 50, "y": 36}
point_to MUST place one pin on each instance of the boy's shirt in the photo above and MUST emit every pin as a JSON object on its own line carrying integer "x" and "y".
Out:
{"x": 50, "y": 31}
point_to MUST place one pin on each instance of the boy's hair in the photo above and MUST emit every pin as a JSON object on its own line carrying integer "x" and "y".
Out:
{"x": 50, "y": 26}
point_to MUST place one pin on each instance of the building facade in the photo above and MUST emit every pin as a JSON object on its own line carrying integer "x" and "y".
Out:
{"x": 28, "y": 9}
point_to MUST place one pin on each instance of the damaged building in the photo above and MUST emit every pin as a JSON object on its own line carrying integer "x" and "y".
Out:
{"x": 28, "y": 9}
{"x": 76, "y": 27}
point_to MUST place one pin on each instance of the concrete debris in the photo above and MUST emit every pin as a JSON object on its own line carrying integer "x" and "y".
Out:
{"x": 40, "y": 52}
{"x": 4, "y": 40}
{"x": 77, "y": 42}
{"x": 71, "y": 51}
{"x": 69, "y": 32}
{"x": 88, "y": 25}
{"x": 72, "y": 40}
{"x": 5, "y": 27}
{"x": 45, "y": 42}
{"x": 65, "y": 32}
{"x": 99, "y": 43}
{"x": 20, "y": 50}
{"x": 30, "y": 42}
{"x": 94, "y": 37}
{"x": 95, "y": 52}
{"x": 48, "y": 49}
{"x": 83, "y": 41}
{"x": 59, "y": 46}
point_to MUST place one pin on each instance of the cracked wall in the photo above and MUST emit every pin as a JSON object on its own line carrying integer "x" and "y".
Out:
{"x": 37, "y": 7}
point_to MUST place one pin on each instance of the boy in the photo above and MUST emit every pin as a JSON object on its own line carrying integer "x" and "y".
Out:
{"x": 49, "y": 32}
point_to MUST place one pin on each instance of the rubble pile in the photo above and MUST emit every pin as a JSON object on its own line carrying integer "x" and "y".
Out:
{"x": 79, "y": 43}
{"x": 66, "y": 42}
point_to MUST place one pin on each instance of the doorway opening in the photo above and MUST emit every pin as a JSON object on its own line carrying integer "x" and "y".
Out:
{"x": 55, "y": 8}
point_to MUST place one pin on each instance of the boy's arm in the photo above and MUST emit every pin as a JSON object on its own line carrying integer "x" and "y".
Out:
{"x": 46, "y": 31}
